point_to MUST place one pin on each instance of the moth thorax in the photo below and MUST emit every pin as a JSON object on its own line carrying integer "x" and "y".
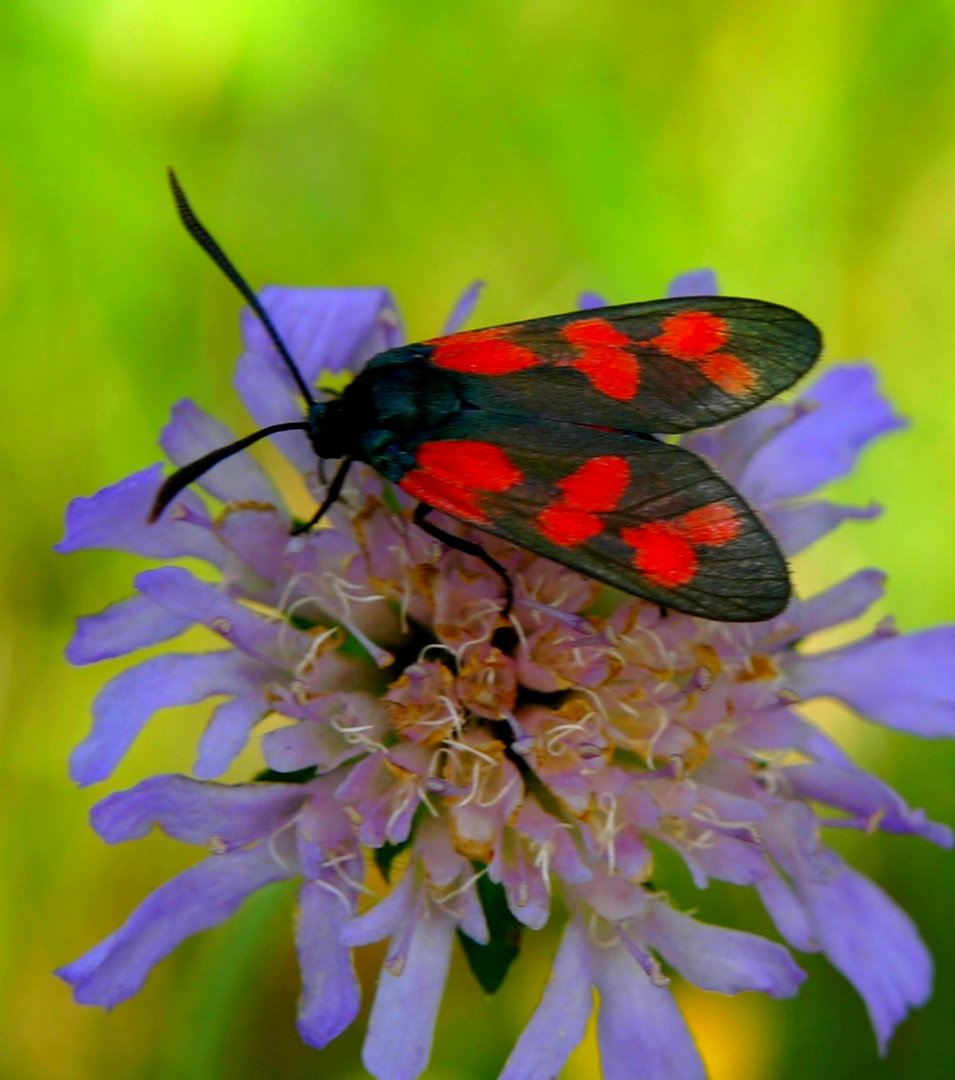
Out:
{"x": 327, "y": 429}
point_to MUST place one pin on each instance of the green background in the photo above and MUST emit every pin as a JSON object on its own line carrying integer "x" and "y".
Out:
{"x": 806, "y": 150}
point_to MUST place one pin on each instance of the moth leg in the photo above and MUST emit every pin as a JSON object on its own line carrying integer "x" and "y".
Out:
{"x": 469, "y": 548}
{"x": 331, "y": 497}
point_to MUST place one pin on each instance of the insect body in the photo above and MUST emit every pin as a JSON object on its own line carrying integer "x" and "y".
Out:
{"x": 545, "y": 433}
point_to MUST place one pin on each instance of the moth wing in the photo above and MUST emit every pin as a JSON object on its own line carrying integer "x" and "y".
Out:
{"x": 663, "y": 366}
{"x": 644, "y": 516}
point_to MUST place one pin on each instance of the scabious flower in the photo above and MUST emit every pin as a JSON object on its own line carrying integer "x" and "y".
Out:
{"x": 441, "y": 774}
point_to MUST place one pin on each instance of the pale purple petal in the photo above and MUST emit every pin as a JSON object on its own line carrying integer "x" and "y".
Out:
{"x": 729, "y": 447}
{"x": 823, "y": 443}
{"x": 727, "y": 858}
{"x": 640, "y": 1029}
{"x": 401, "y": 1025}
{"x": 183, "y": 594}
{"x": 116, "y": 519}
{"x": 227, "y": 733}
{"x": 122, "y": 628}
{"x": 202, "y": 897}
{"x": 226, "y": 815}
{"x": 560, "y": 1020}
{"x": 126, "y": 703}
{"x": 869, "y": 802}
{"x": 798, "y": 527}
{"x": 382, "y": 919}
{"x": 694, "y": 283}
{"x": 838, "y": 604}
{"x": 331, "y": 994}
{"x": 873, "y": 943}
{"x": 325, "y": 330}
{"x": 465, "y": 305}
{"x": 192, "y": 433}
{"x": 789, "y": 916}
{"x": 715, "y": 958}
{"x": 906, "y": 682}
{"x": 587, "y": 301}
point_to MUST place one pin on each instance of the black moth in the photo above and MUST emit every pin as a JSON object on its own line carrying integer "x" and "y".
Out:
{"x": 545, "y": 433}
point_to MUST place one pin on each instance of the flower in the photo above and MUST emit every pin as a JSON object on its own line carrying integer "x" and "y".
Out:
{"x": 490, "y": 776}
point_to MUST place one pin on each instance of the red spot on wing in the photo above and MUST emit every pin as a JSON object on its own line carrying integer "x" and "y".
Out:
{"x": 662, "y": 553}
{"x": 611, "y": 368}
{"x": 729, "y": 373}
{"x": 453, "y": 473}
{"x": 696, "y": 337}
{"x": 711, "y": 525}
{"x": 596, "y": 487}
{"x": 691, "y": 335}
{"x": 482, "y": 352}
{"x": 665, "y": 552}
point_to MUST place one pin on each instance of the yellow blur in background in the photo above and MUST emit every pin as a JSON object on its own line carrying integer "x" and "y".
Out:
{"x": 805, "y": 150}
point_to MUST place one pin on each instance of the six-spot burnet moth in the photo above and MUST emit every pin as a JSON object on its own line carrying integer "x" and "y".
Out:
{"x": 546, "y": 433}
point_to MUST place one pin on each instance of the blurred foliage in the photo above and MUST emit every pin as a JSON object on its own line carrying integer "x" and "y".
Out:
{"x": 806, "y": 150}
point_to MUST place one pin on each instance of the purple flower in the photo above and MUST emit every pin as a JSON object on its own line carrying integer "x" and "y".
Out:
{"x": 489, "y": 775}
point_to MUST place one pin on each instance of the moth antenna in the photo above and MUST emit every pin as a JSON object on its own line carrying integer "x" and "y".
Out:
{"x": 182, "y": 478}
{"x": 204, "y": 239}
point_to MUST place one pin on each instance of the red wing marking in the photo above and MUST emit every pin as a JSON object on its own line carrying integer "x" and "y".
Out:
{"x": 596, "y": 487}
{"x": 665, "y": 551}
{"x": 729, "y": 373}
{"x": 691, "y": 335}
{"x": 482, "y": 352}
{"x": 452, "y": 474}
{"x": 609, "y": 366}
{"x": 697, "y": 337}
{"x": 662, "y": 553}
{"x": 712, "y": 525}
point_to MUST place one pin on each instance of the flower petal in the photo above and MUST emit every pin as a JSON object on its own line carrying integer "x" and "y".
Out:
{"x": 560, "y": 1020}
{"x": 694, "y": 283}
{"x": 203, "y": 896}
{"x": 331, "y": 994}
{"x": 798, "y": 527}
{"x": 382, "y": 919}
{"x": 226, "y": 815}
{"x": 715, "y": 958}
{"x": 872, "y": 942}
{"x": 465, "y": 305}
{"x": 640, "y": 1029}
{"x": 130, "y": 699}
{"x": 329, "y": 330}
{"x": 401, "y": 1025}
{"x": 116, "y": 519}
{"x": 122, "y": 628}
{"x": 788, "y": 914}
{"x": 183, "y": 594}
{"x": 227, "y": 733}
{"x": 192, "y": 433}
{"x": 906, "y": 682}
{"x": 838, "y": 604}
{"x": 586, "y": 301}
{"x": 868, "y": 800}
{"x": 823, "y": 442}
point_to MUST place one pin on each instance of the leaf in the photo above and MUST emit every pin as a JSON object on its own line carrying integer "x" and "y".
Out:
{"x": 491, "y": 962}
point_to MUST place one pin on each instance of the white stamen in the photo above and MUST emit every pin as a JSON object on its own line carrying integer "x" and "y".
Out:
{"x": 470, "y": 750}
{"x": 488, "y": 803}
{"x": 335, "y": 891}
{"x": 462, "y": 888}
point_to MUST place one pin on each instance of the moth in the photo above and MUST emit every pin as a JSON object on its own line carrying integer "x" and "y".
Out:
{"x": 547, "y": 433}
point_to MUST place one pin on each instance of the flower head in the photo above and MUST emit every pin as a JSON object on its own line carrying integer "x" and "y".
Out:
{"x": 441, "y": 773}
